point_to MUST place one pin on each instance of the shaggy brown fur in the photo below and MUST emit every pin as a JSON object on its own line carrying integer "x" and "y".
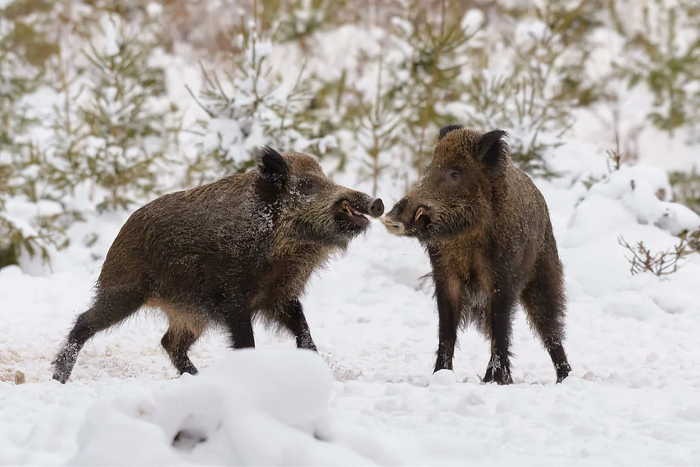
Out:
{"x": 225, "y": 253}
{"x": 486, "y": 229}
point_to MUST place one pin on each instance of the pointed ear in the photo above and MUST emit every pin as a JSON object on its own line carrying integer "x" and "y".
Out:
{"x": 272, "y": 164}
{"x": 448, "y": 128}
{"x": 492, "y": 150}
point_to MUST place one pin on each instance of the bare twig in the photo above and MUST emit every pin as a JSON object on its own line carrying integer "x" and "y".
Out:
{"x": 661, "y": 263}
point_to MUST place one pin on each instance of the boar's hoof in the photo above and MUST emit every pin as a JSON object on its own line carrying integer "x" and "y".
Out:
{"x": 562, "y": 372}
{"x": 377, "y": 208}
{"x": 60, "y": 378}
{"x": 60, "y": 375}
{"x": 499, "y": 374}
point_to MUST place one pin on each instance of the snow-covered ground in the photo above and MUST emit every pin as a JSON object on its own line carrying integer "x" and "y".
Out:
{"x": 632, "y": 398}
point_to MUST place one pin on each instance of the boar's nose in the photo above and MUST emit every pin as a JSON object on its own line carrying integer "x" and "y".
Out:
{"x": 392, "y": 226}
{"x": 377, "y": 208}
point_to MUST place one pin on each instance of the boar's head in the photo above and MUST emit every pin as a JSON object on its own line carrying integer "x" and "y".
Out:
{"x": 457, "y": 192}
{"x": 306, "y": 205}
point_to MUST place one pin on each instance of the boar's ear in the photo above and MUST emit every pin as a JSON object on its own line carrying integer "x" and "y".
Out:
{"x": 492, "y": 150}
{"x": 446, "y": 129}
{"x": 272, "y": 164}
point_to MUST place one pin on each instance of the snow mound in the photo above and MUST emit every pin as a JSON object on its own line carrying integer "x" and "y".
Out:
{"x": 263, "y": 407}
{"x": 642, "y": 194}
{"x": 631, "y": 204}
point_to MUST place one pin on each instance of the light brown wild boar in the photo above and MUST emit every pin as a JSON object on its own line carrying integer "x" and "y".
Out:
{"x": 487, "y": 232}
{"x": 223, "y": 254}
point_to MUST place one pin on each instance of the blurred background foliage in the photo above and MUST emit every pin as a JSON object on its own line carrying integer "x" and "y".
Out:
{"x": 88, "y": 124}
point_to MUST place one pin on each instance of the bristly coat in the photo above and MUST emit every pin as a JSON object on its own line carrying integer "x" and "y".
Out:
{"x": 223, "y": 254}
{"x": 487, "y": 232}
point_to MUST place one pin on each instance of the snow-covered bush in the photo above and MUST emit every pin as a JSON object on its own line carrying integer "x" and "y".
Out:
{"x": 378, "y": 131}
{"x": 296, "y": 20}
{"x": 686, "y": 188}
{"x": 28, "y": 221}
{"x": 635, "y": 195}
{"x": 80, "y": 114}
{"x": 664, "y": 53}
{"x": 388, "y": 106}
{"x": 126, "y": 133}
{"x": 540, "y": 70}
{"x": 432, "y": 47}
{"x": 536, "y": 79}
{"x": 250, "y": 108}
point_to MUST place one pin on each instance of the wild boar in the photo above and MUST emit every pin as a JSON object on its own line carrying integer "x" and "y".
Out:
{"x": 486, "y": 229}
{"x": 223, "y": 254}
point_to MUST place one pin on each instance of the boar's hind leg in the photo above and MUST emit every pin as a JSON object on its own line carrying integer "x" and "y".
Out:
{"x": 498, "y": 369}
{"x": 292, "y": 317}
{"x": 109, "y": 309}
{"x": 544, "y": 303}
{"x": 177, "y": 341}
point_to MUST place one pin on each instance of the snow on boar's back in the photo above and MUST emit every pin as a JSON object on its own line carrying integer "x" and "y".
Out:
{"x": 487, "y": 232}
{"x": 225, "y": 253}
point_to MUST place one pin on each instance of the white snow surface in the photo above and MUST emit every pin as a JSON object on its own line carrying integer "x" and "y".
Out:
{"x": 370, "y": 397}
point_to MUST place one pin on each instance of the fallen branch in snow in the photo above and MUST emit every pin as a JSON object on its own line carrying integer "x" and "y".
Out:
{"x": 661, "y": 263}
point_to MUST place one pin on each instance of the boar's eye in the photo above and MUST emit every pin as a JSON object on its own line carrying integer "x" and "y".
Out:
{"x": 453, "y": 175}
{"x": 309, "y": 187}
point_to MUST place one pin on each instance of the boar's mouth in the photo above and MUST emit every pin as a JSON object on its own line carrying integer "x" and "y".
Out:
{"x": 350, "y": 216}
{"x": 421, "y": 218}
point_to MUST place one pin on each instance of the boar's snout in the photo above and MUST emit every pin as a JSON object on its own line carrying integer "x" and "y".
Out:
{"x": 376, "y": 209}
{"x": 405, "y": 220}
{"x": 351, "y": 214}
{"x": 354, "y": 205}
{"x": 392, "y": 226}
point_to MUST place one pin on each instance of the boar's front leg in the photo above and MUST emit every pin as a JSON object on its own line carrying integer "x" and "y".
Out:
{"x": 448, "y": 293}
{"x": 240, "y": 325}
{"x": 498, "y": 369}
{"x": 292, "y": 317}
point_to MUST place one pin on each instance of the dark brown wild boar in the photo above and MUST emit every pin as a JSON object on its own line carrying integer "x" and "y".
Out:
{"x": 486, "y": 229}
{"x": 223, "y": 254}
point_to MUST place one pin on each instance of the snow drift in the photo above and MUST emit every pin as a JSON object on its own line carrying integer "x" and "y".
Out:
{"x": 264, "y": 407}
